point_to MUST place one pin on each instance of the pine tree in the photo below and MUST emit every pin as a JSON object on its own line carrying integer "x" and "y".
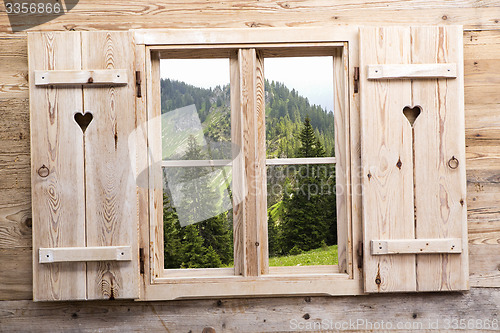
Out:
{"x": 307, "y": 218}
{"x": 215, "y": 232}
{"x": 172, "y": 236}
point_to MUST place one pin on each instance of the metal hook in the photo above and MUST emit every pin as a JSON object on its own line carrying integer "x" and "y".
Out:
{"x": 43, "y": 171}
{"x": 453, "y": 163}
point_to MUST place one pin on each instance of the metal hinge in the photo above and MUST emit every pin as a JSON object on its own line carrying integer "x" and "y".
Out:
{"x": 141, "y": 260}
{"x": 356, "y": 80}
{"x": 138, "y": 81}
{"x": 360, "y": 255}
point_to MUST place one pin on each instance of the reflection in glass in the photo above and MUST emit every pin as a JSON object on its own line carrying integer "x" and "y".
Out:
{"x": 196, "y": 127}
{"x": 302, "y": 222}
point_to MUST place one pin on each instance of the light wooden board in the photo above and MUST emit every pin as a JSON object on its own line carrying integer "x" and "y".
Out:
{"x": 58, "y": 201}
{"x": 89, "y": 15}
{"x": 87, "y": 77}
{"x": 239, "y": 190}
{"x": 98, "y": 253}
{"x": 110, "y": 166}
{"x": 411, "y": 71}
{"x": 247, "y": 59}
{"x": 387, "y": 167}
{"x": 416, "y": 246}
{"x": 440, "y": 191}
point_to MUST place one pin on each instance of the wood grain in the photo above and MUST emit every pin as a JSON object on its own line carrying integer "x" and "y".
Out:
{"x": 387, "y": 162}
{"x": 482, "y": 128}
{"x": 58, "y": 200}
{"x": 239, "y": 190}
{"x": 97, "y": 253}
{"x": 249, "y": 315}
{"x": 440, "y": 191}
{"x": 416, "y": 246}
{"x": 116, "y": 15}
{"x": 86, "y": 77}
{"x": 412, "y": 71}
{"x": 247, "y": 59}
{"x": 110, "y": 166}
{"x": 342, "y": 158}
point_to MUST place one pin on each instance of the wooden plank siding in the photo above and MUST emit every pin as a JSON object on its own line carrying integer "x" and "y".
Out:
{"x": 252, "y": 315}
{"x": 482, "y": 131}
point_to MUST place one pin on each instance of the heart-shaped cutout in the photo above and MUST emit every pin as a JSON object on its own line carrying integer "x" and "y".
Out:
{"x": 411, "y": 113}
{"x": 83, "y": 120}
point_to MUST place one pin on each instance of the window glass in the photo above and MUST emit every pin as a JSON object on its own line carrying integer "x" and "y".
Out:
{"x": 302, "y": 222}
{"x": 196, "y": 129}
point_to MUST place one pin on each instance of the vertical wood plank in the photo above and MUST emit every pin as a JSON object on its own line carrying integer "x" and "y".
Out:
{"x": 261, "y": 171}
{"x": 142, "y": 179}
{"x": 247, "y": 65}
{"x": 386, "y": 141}
{"x": 58, "y": 201}
{"x": 153, "y": 87}
{"x": 110, "y": 165}
{"x": 440, "y": 192}
{"x": 239, "y": 184}
{"x": 342, "y": 171}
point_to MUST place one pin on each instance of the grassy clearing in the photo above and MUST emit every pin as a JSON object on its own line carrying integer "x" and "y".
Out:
{"x": 322, "y": 256}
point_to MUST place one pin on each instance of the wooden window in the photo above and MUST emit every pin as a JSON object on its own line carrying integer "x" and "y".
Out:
{"x": 97, "y": 162}
{"x": 251, "y": 274}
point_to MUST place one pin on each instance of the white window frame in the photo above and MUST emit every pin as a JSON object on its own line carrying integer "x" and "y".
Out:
{"x": 156, "y": 284}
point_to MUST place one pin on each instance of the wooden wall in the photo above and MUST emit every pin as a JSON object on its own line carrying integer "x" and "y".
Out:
{"x": 481, "y": 19}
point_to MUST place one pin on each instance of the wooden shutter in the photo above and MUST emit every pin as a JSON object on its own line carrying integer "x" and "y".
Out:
{"x": 83, "y": 182}
{"x": 414, "y": 184}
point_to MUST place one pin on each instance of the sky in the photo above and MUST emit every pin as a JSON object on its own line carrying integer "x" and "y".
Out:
{"x": 312, "y": 77}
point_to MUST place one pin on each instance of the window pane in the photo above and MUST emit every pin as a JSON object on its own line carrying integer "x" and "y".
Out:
{"x": 197, "y": 217}
{"x": 196, "y": 125}
{"x": 302, "y": 222}
{"x": 299, "y": 90}
{"x": 195, "y": 102}
{"x": 302, "y": 216}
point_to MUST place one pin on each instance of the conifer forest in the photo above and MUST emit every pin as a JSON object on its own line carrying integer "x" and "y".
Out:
{"x": 197, "y": 213}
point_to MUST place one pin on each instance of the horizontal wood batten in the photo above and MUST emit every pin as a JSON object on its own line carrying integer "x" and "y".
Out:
{"x": 196, "y": 163}
{"x": 237, "y": 36}
{"x": 293, "y": 161}
{"x": 71, "y": 254}
{"x": 86, "y": 77}
{"x": 412, "y": 71}
{"x": 415, "y": 246}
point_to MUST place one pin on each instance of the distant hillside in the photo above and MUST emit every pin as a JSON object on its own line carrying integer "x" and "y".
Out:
{"x": 285, "y": 114}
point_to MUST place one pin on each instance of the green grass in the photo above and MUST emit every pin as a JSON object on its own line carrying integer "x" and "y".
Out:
{"x": 322, "y": 256}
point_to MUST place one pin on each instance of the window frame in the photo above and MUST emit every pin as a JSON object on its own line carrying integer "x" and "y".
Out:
{"x": 270, "y": 42}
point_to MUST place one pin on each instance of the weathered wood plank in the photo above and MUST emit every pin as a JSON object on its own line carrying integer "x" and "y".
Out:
{"x": 86, "y": 77}
{"x": 248, "y": 63}
{"x": 15, "y": 171}
{"x": 16, "y": 280}
{"x": 15, "y": 218}
{"x": 387, "y": 162}
{"x": 482, "y": 125}
{"x": 422, "y": 313}
{"x": 96, "y": 253}
{"x": 110, "y": 166}
{"x": 440, "y": 191}
{"x": 114, "y": 15}
{"x": 485, "y": 265}
{"x": 15, "y": 125}
{"x": 409, "y": 71}
{"x": 415, "y": 246}
{"x": 57, "y": 143}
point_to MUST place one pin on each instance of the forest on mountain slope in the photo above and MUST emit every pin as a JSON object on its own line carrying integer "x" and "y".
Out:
{"x": 301, "y": 199}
